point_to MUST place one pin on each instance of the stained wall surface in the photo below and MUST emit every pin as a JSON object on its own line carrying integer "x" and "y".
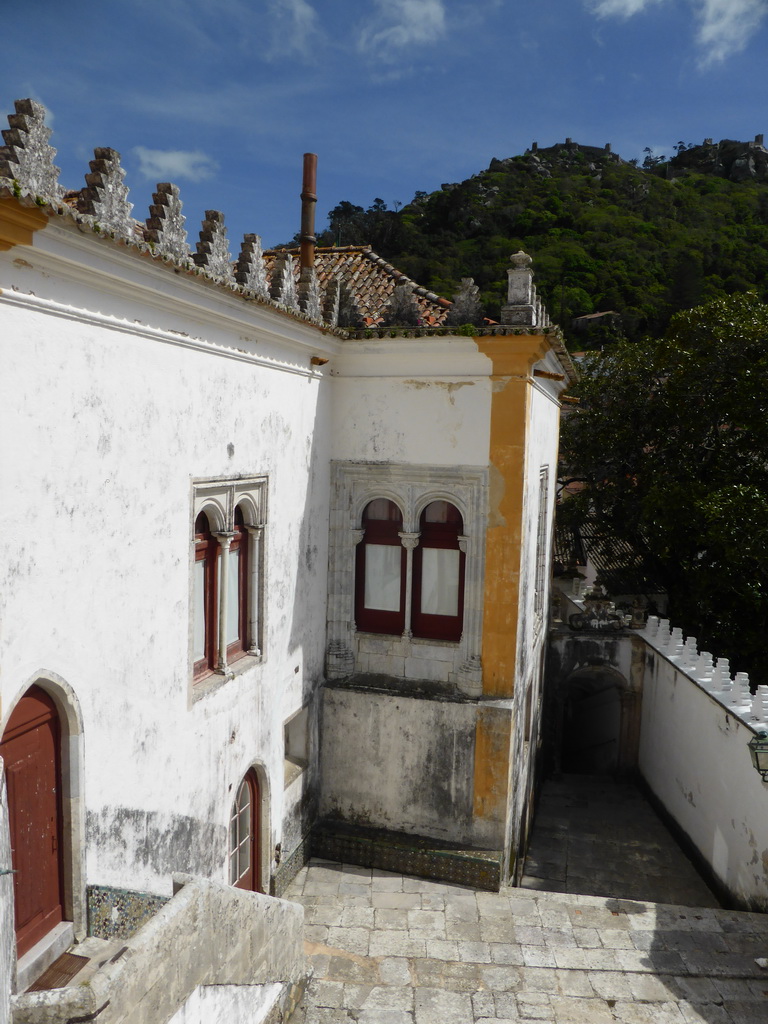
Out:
{"x": 695, "y": 758}
{"x": 122, "y": 385}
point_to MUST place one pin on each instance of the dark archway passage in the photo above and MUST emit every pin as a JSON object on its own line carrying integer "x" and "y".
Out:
{"x": 591, "y": 727}
{"x": 594, "y": 724}
{"x": 31, "y": 750}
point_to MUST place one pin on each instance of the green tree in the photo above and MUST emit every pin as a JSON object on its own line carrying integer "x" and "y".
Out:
{"x": 671, "y": 440}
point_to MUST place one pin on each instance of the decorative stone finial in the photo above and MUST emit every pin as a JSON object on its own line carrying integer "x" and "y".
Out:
{"x": 309, "y": 294}
{"x": 213, "y": 249}
{"x": 26, "y": 156}
{"x": 402, "y": 310}
{"x": 521, "y": 308}
{"x": 332, "y": 302}
{"x": 250, "y": 269}
{"x": 466, "y": 308}
{"x": 283, "y": 287}
{"x": 165, "y": 224}
{"x": 349, "y": 311}
{"x": 520, "y": 259}
{"x": 105, "y": 197}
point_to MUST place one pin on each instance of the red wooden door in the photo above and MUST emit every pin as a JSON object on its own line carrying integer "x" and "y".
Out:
{"x": 30, "y": 748}
{"x": 245, "y": 836}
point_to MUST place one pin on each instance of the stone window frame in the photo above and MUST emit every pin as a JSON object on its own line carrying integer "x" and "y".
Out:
{"x": 218, "y": 499}
{"x": 412, "y": 487}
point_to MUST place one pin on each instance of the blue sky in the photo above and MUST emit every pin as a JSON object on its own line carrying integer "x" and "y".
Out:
{"x": 223, "y": 97}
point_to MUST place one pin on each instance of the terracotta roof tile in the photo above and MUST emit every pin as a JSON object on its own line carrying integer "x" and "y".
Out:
{"x": 371, "y": 280}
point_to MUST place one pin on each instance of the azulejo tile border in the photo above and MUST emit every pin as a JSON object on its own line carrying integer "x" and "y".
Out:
{"x": 119, "y": 913}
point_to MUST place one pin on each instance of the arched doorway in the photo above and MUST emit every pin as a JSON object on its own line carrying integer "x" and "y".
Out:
{"x": 591, "y": 727}
{"x": 599, "y": 724}
{"x": 245, "y": 835}
{"x": 31, "y": 750}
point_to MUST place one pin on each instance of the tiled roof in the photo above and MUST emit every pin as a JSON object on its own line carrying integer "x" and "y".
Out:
{"x": 370, "y": 279}
{"x": 620, "y": 568}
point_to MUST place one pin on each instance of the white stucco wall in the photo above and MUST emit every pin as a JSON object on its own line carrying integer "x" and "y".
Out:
{"x": 540, "y": 455}
{"x": 107, "y": 423}
{"x": 412, "y": 400}
{"x": 694, "y": 756}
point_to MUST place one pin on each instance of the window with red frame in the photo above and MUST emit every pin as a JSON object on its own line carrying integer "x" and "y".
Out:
{"x": 438, "y": 574}
{"x": 208, "y": 594}
{"x": 205, "y": 597}
{"x": 237, "y": 587}
{"x": 380, "y": 570}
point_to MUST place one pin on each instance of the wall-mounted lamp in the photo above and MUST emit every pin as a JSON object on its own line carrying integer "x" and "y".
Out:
{"x": 758, "y": 750}
{"x": 318, "y": 361}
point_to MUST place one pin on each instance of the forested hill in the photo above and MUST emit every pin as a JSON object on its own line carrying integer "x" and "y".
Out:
{"x": 605, "y": 234}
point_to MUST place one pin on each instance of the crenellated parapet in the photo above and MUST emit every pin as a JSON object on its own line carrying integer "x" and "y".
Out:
{"x": 105, "y": 196}
{"x": 283, "y": 288}
{"x": 310, "y": 301}
{"x": 165, "y": 229}
{"x": 213, "y": 248}
{"x": 250, "y": 269}
{"x": 28, "y": 173}
{"x": 345, "y": 288}
{"x": 27, "y": 156}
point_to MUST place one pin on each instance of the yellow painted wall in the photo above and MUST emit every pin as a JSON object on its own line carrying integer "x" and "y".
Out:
{"x": 513, "y": 358}
{"x": 18, "y": 223}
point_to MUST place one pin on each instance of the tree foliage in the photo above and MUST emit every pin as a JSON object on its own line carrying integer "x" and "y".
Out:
{"x": 671, "y": 439}
{"x": 604, "y": 236}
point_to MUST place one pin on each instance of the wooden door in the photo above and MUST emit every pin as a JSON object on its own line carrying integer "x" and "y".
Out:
{"x": 245, "y": 836}
{"x": 30, "y": 748}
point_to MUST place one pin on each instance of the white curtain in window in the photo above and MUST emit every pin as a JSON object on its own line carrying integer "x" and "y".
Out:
{"x": 440, "y": 581}
{"x": 198, "y": 643}
{"x": 233, "y": 597}
{"x": 382, "y": 577}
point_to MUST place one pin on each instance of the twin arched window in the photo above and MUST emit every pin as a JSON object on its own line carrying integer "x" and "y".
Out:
{"x": 209, "y": 616}
{"x": 435, "y": 582}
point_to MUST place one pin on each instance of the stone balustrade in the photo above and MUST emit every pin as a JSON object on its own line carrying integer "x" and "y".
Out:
{"x": 714, "y": 676}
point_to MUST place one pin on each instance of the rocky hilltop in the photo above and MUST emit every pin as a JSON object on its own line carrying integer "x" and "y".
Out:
{"x": 737, "y": 161}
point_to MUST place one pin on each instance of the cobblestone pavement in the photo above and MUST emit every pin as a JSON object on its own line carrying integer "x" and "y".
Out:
{"x": 391, "y": 949}
{"x": 598, "y": 837}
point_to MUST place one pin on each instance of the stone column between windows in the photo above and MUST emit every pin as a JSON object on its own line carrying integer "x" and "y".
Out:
{"x": 410, "y": 542}
{"x": 224, "y": 539}
{"x": 356, "y": 536}
{"x": 255, "y": 573}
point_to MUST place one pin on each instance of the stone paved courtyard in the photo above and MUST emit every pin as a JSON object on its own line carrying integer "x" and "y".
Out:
{"x": 392, "y": 949}
{"x": 389, "y": 949}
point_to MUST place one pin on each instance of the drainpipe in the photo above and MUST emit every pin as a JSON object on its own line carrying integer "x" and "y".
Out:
{"x": 308, "y": 200}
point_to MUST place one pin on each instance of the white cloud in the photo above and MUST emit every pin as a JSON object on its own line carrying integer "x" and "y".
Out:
{"x": 403, "y": 23}
{"x": 725, "y": 27}
{"x": 295, "y": 28}
{"x": 620, "y": 8}
{"x": 173, "y": 164}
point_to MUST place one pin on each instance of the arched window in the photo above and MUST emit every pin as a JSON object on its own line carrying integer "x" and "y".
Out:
{"x": 380, "y": 570}
{"x": 205, "y": 597}
{"x": 244, "y": 835}
{"x": 237, "y": 590}
{"x": 438, "y": 574}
